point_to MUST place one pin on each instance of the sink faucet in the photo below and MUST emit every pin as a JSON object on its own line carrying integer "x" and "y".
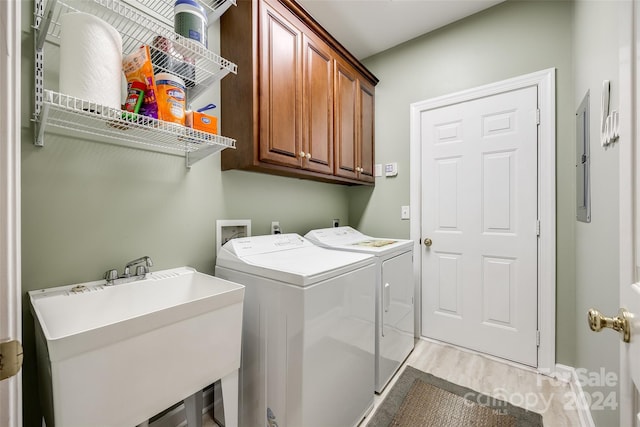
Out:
{"x": 113, "y": 278}
{"x": 141, "y": 270}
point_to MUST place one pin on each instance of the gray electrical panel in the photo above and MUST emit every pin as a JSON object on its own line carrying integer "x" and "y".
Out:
{"x": 583, "y": 172}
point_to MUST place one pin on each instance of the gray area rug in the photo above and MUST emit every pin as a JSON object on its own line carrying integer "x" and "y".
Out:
{"x": 419, "y": 399}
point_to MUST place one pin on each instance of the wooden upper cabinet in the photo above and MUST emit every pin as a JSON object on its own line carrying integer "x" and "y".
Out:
{"x": 317, "y": 94}
{"x": 346, "y": 91}
{"x": 354, "y": 124}
{"x": 280, "y": 89}
{"x": 300, "y": 105}
{"x": 366, "y": 129}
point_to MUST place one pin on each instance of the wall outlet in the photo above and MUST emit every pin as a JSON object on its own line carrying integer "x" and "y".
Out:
{"x": 335, "y": 223}
{"x": 404, "y": 212}
{"x": 275, "y": 227}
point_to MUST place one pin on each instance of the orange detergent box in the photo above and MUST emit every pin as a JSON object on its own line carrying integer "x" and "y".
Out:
{"x": 203, "y": 122}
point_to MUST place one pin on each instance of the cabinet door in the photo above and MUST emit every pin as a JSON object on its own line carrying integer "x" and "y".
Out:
{"x": 366, "y": 131}
{"x": 280, "y": 88}
{"x": 317, "y": 93}
{"x": 346, "y": 90}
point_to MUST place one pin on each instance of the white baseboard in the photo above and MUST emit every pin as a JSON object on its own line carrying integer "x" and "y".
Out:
{"x": 564, "y": 372}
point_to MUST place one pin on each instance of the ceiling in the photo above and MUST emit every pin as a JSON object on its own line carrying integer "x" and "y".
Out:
{"x": 367, "y": 27}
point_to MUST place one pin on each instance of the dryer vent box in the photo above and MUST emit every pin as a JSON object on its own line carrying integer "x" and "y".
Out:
{"x": 227, "y": 229}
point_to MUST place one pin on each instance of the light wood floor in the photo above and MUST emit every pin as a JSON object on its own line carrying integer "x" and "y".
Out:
{"x": 522, "y": 387}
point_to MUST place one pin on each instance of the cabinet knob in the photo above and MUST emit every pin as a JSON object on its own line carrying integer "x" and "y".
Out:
{"x": 308, "y": 156}
{"x": 301, "y": 154}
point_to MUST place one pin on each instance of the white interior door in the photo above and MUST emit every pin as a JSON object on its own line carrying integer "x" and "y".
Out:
{"x": 10, "y": 294}
{"x": 630, "y": 211}
{"x": 479, "y": 210}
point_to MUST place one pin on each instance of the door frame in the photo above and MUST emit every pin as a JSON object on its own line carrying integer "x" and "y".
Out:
{"x": 628, "y": 143}
{"x": 545, "y": 82}
{"x": 10, "y": 264}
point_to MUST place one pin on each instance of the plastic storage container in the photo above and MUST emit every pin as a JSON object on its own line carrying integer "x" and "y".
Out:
{"x": 190, "y": 20}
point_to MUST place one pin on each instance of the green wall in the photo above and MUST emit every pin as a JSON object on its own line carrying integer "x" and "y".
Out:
{"x": 507, "y": 40}
{"x": 88, "y": 207}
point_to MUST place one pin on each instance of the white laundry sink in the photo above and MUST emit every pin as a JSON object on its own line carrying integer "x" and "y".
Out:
{"x": 117, "y": 355}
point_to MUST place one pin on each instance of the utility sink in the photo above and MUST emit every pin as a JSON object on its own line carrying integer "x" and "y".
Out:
{"x": 117, "y": 355}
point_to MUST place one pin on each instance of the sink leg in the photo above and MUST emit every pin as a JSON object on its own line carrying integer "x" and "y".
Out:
{"x": 193, "y": 407}
{"x": 230, "y": 399}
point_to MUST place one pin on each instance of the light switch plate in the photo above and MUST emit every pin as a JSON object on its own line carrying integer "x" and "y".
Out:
{"x": 377, "y": 169}
{"x": 404, "y": 212}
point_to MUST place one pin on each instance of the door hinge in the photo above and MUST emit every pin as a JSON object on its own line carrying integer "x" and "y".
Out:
{"x": 538, "y": 116}
{"x": 537, "y": 227}
{"x": 537, "y": 338}
{"x": 10, "y": 358}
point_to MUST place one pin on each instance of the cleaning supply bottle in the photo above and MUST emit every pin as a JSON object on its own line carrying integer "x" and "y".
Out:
{"x": 135, "y": 97}
{"x": 171, "y": 98}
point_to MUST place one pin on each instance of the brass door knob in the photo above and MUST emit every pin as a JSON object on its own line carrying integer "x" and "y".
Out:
{"x": 620, "y": 323}
{"x": 428, "y": 242}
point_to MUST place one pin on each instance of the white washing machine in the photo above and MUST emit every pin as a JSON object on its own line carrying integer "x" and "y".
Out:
{"x": 308, "y": 331}
{"x": 394, "y": 293}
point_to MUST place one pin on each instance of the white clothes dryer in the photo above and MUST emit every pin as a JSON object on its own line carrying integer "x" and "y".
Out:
{"x": 394, "y": 293}
{"x": 308, "y": 331}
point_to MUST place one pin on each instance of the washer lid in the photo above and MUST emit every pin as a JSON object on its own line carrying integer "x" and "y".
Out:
{"x": 347, "y": 238}
{"x": 288, "y": 258}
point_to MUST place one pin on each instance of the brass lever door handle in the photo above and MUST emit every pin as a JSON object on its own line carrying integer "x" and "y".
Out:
{"x": 620, "y": 323}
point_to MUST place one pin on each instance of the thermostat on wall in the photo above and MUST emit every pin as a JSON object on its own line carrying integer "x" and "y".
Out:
{"x": 391, "y": 169}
